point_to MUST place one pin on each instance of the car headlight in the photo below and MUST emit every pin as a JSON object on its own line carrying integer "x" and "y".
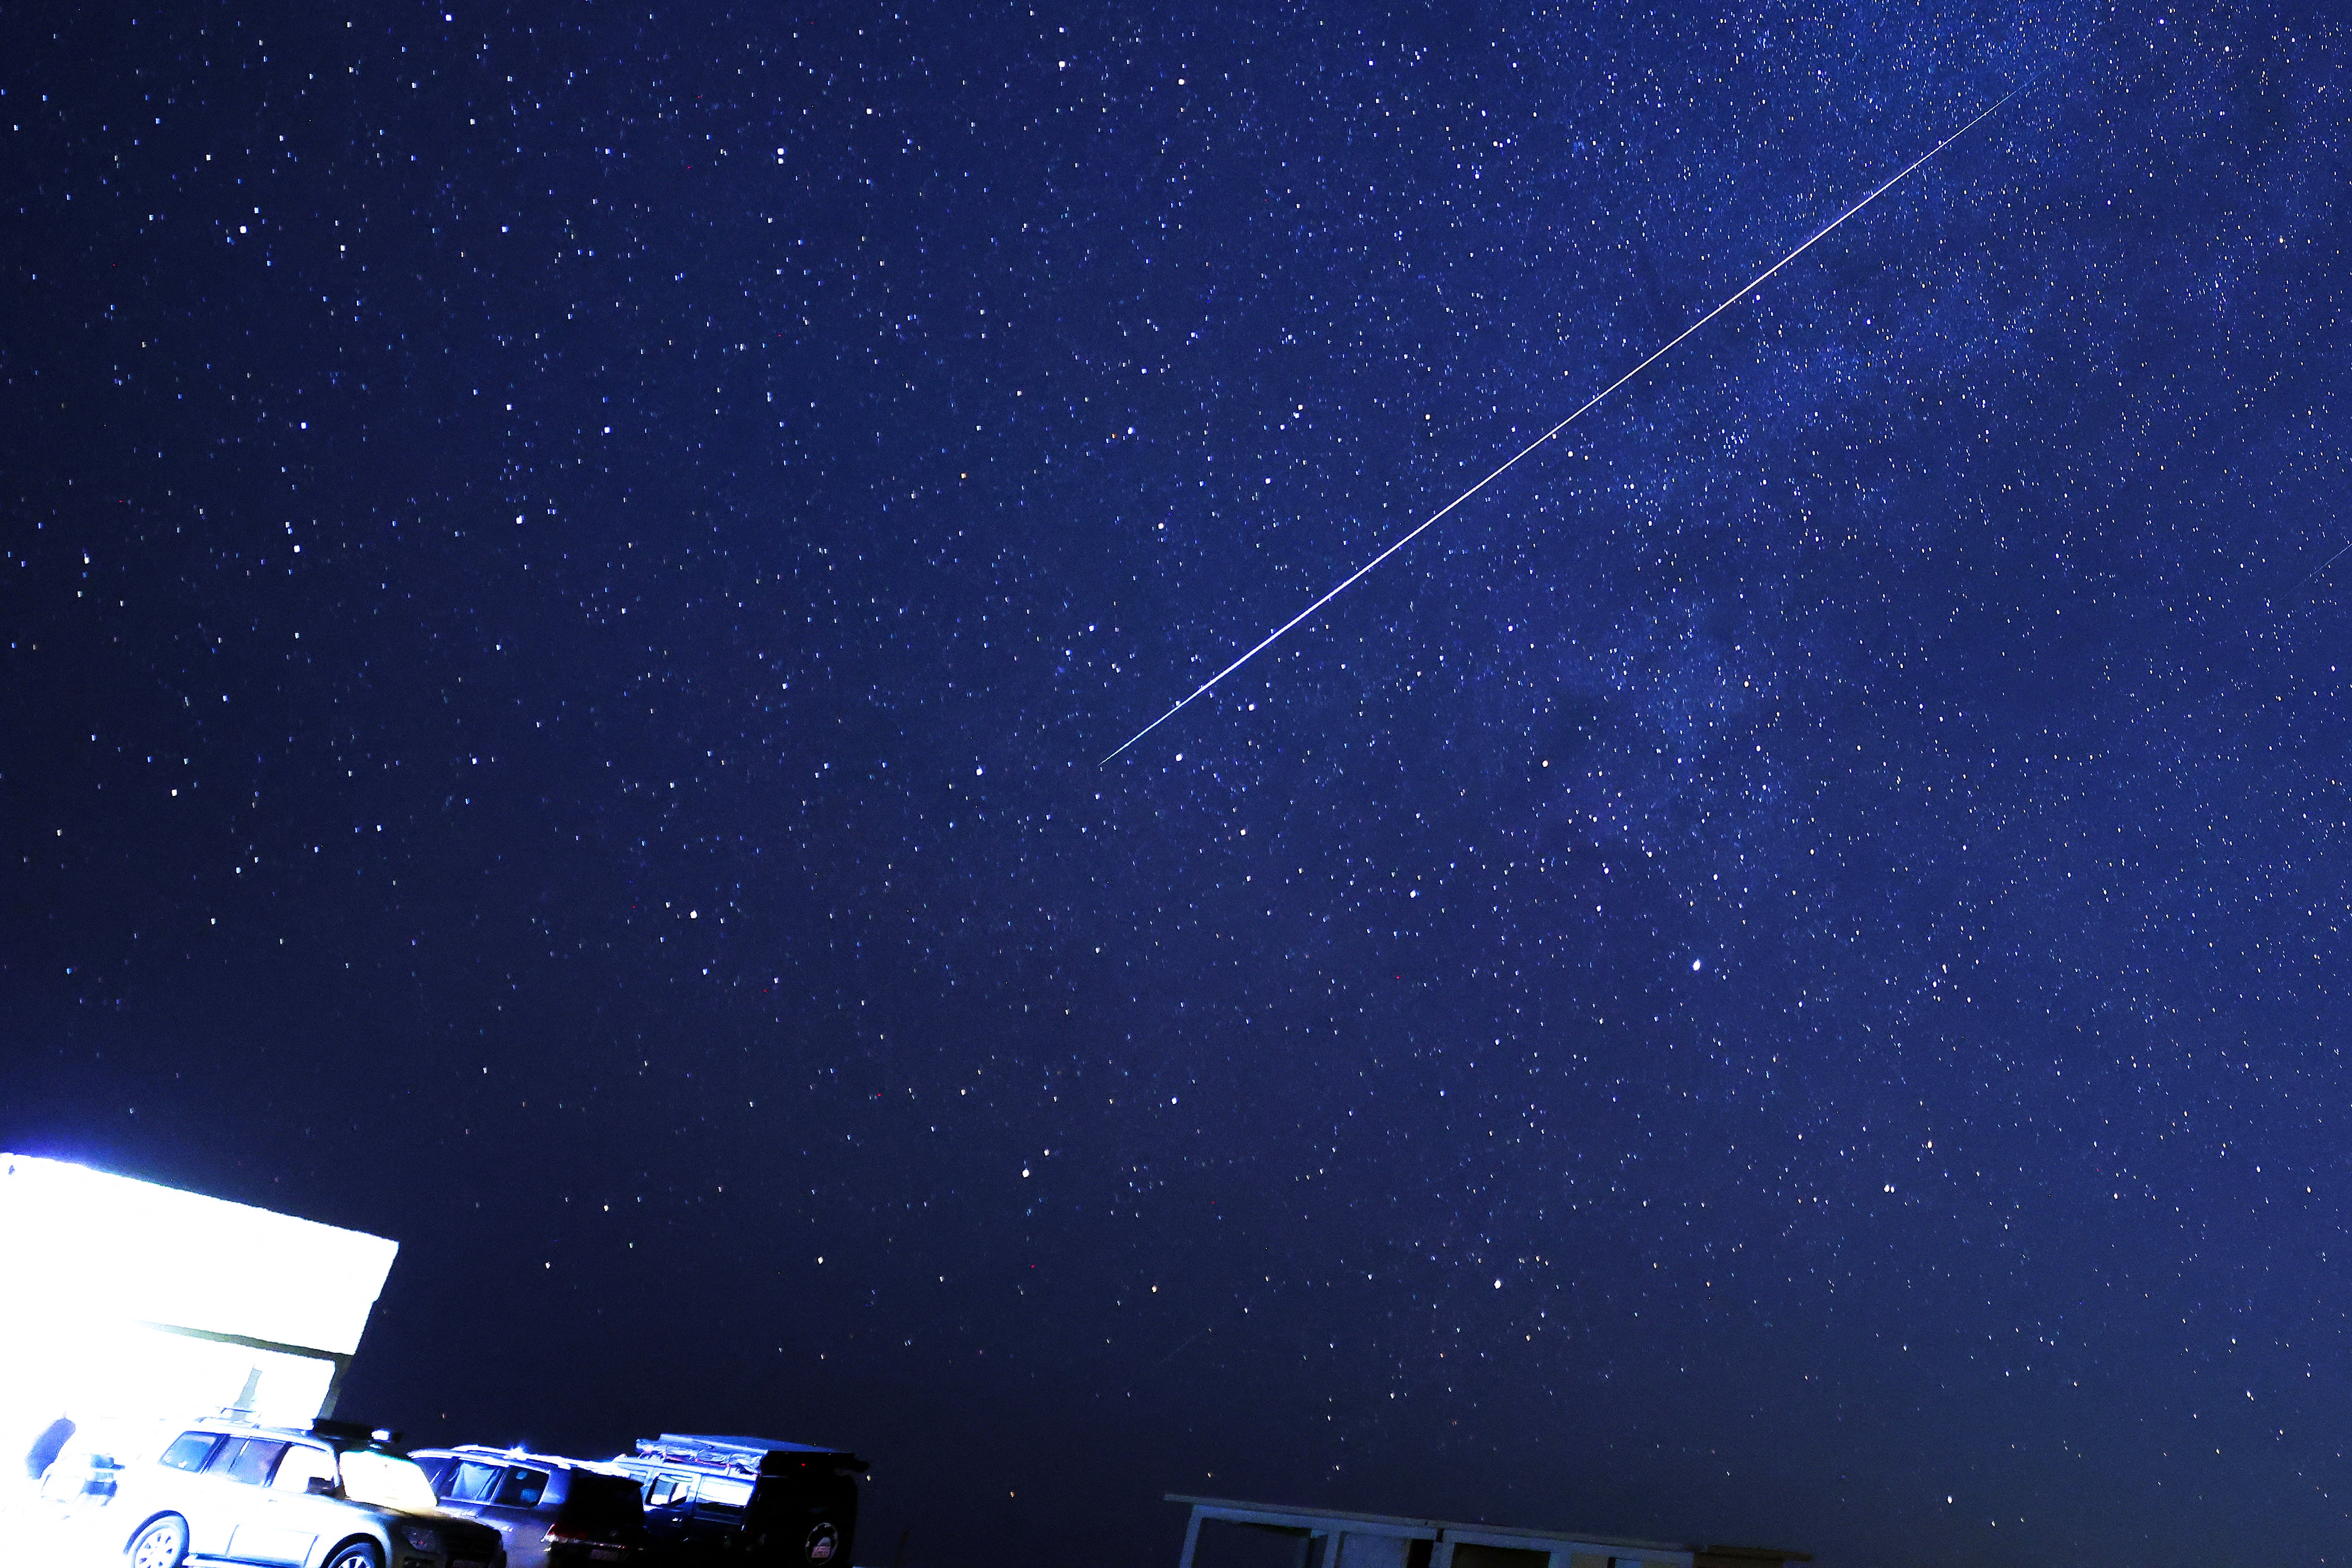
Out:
{"x": 421, "y": 1537}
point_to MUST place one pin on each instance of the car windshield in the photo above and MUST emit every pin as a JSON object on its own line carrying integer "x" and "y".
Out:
{"x": 386, "y": 1480}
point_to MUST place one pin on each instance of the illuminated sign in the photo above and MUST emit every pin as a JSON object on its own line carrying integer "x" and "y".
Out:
{"x": 131, "y": 1301}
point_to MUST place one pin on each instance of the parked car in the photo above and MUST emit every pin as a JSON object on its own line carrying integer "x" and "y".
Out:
{"x": 748, "y": 1500}
{"x": 331, "y": 1495}
{"x": 555, "y": 1512}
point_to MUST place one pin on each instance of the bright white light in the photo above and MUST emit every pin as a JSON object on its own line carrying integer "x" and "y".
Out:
{"x": 131, "y": 1302}
{"x": 105, "y": 1244}
{"x": 387, "y": 1479}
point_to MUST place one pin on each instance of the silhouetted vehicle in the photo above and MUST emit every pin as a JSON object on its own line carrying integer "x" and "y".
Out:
{"x": 555, "y": 1512}
{"x": 332, "y": 1496}
{"x": 749, "y": 1500}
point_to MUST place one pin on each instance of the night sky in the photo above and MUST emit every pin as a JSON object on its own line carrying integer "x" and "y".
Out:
{"x": 1777, "y": 977}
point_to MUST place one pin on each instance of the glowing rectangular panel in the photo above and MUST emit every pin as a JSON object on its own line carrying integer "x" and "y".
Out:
{"x": 129, "y": 1305}
{"x": 83, "y": 1245}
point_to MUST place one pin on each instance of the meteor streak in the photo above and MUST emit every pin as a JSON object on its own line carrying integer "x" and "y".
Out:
{"x": 1586, "y": 406}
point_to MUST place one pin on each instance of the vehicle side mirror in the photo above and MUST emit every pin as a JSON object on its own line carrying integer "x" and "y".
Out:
{"x": 320, "y": 1486}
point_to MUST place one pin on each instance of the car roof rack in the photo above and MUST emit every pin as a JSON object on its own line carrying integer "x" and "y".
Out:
{"x": 354, "y": 1432}
{"x": 741, "y": 1453}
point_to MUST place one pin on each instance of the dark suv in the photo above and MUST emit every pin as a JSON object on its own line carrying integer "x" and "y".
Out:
{"x": 553, "y": 1512}
{"x": 747, "y": 1500}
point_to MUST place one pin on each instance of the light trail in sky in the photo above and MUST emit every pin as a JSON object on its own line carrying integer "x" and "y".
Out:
{"x": 2306, "y": 577}
{"x": 1586, "y": 406}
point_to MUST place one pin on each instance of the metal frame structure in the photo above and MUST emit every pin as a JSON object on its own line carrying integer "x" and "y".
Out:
{"x": 1331, "y": 1538}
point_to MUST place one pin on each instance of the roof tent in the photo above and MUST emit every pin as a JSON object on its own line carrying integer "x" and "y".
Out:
{"x": 741, "y": 1453}
{"x": 131, "y": 1301}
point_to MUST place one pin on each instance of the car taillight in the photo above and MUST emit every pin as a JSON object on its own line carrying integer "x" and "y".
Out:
{"x": 559, "y": 1534}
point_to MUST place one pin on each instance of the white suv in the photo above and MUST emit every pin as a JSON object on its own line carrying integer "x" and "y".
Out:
{"x": 225, "y": 1492}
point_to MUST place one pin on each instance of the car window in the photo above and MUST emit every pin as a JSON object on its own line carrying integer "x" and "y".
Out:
{"x": 669, "y": 1492}
{"x": 189, "y": 1450}
{"x": 388, "y": 1480}
{"x": 521, "y": 1486}
{"x": 437, "y": 1470}
{"x": 301, "y": 1466}
{"x": 717, "y": 1492}
{"x": 473, "y": 1482}
{"x": 246, "y": 1460}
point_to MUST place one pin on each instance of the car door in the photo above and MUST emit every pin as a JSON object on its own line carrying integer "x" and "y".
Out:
{"x": 468, "y": 1488}
{"x": 302, "y": 1504}
{"x": 177, "y": 1483}
{"x": 513, "y": 1510}
{"x": 669, "y": 1507}
{"x": 468, "y": 1485}
{"x": 240, "y": 1471}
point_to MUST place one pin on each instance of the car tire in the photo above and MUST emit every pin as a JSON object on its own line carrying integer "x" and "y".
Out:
{"x": 160, "y": 1543}
{"x": 356, "y": 1554}
{"x": 821, "y": 1548}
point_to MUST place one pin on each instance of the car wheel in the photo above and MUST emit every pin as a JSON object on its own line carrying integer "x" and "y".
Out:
{"x": 163, "y": 1543}
{"x": 357, "y": 1554}
{"x": 823, "y": 1546}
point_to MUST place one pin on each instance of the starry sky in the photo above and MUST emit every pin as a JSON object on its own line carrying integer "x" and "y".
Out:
{"x": 1776, "y": 977}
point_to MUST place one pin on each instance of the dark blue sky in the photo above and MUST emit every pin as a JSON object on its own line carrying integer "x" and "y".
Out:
{"x": 1775, "y": 977}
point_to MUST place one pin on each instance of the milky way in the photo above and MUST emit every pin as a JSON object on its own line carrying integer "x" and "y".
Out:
{"x": 1579, "y": 412}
